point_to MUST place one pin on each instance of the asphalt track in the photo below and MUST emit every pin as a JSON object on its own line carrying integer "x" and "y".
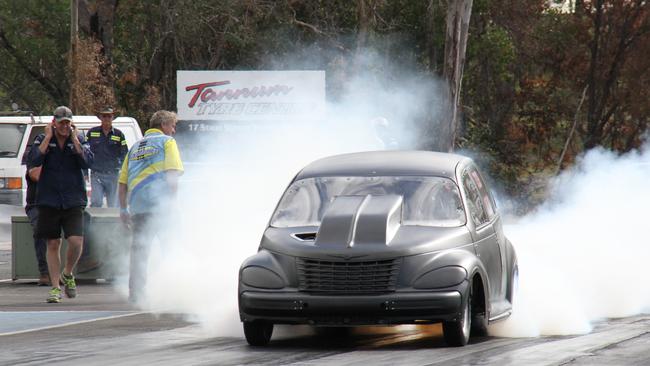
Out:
{"x": 101, "y": 328}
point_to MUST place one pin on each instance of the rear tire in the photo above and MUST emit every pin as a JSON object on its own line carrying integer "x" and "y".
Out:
{"x": 258, "y": 333}
{"x": 513, "y": 289}
{"x": 456, "y": 332}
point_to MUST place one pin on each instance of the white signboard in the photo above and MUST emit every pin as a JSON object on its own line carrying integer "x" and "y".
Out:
{"x": 250, "y": 95}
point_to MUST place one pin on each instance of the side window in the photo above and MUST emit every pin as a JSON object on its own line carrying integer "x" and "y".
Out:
{"x": 129, "y": 135}
{"x": 483, "y": 190}
{"x": 475, "y": 201}
{"x": 84, "y": 131}
{"x": 36, "y": 130}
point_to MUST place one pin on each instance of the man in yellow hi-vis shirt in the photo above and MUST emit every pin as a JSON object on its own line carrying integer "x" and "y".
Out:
{"x": 149, "y": 179}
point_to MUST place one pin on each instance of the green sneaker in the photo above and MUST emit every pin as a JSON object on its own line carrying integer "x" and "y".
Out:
{"x": 55, "y": 295}
{"x": 69, "y": 285}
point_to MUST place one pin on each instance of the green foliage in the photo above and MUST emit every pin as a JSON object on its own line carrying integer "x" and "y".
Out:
{"x": 526, "y": 66}
{"x": 34, "y": 53}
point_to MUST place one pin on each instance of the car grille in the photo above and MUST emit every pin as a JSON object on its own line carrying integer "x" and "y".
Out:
{"x": 347, "y": 277}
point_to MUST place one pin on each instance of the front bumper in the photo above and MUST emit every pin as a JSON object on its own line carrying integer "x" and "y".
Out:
{"x": 393, "y": 308}
{"x": 11, "y": 197}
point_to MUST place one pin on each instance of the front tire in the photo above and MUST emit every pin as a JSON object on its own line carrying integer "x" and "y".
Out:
{"x": 478, "y": 311}
{"x": 258, "y": 333}
{"x": 456, "y": 332}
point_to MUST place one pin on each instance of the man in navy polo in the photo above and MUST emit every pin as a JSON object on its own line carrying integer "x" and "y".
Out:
{"x": 109, "y": 148}
{"x": 63, "y": 155}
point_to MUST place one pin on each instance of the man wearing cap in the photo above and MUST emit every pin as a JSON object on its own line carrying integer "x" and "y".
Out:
{"x": 63, "y": 154}
{"x": 109, "y": 148}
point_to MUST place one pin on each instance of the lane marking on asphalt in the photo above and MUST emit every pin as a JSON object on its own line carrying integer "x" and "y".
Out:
{"x": 95, "y": 316}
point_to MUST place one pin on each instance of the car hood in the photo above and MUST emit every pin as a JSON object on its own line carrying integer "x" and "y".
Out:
{"x": 363, "y": 228}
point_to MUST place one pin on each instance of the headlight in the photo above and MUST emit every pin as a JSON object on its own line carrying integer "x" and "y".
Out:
{"x": 261, "y": 277}
{"x": 441, "y": 277}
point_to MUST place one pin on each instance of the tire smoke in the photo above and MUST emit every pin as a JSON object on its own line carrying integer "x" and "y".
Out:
{"x": 583, "y": 255}
{"x": 228, "y": 196}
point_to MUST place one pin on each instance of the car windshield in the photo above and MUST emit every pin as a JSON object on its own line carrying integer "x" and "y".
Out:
{"x": 427, "y": 201}
{"x": 11, "y": 135}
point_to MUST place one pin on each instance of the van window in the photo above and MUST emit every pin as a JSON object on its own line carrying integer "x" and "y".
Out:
{"x": 11, "y": 135}
{"x": 36, "y": 130}
{"x": 129, "y": 134}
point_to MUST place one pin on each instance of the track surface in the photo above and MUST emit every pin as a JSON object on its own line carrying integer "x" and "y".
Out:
{"x": 100, "y": 328}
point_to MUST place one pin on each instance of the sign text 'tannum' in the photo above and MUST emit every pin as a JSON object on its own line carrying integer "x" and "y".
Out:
{"x": 207, "y": 93}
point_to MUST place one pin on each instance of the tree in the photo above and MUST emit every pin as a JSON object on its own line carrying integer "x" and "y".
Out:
{"x": 458, "y": 17}
{"x": 618, "y": 26}
{"x": 33, "y": 49}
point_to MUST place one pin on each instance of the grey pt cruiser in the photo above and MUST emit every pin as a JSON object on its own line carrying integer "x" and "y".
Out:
{"x": 380, "y": 238}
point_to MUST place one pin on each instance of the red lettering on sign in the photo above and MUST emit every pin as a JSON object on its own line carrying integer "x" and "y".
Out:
{"x": 207, "y": 94}
{"x": 199, "y": 89}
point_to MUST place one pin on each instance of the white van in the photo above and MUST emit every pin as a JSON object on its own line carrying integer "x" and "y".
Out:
{"x": 17, "y": 134}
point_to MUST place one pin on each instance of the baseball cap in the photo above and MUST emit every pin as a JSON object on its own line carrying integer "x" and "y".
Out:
{"x": 62, "y": 113}
{"x": 106, "y": 110}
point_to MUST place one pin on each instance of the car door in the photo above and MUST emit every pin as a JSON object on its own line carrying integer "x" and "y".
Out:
{"x": 485, "y": 239}
{"x": 495, "y": 220}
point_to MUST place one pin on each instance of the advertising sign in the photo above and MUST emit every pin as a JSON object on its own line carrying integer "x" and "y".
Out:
{"x": 250, "y": 95}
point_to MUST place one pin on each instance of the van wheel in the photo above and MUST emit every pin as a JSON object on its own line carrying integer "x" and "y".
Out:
{"x": 258, "y": 333}
{"x": 456, "y": 332}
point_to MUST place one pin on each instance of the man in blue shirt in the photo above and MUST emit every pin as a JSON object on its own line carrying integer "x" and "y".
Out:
{"x": 108, "y": 145}
{"x": 61, "y": 197}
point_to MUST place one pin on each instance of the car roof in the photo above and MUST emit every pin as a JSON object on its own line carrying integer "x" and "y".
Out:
{"x": 385, "y": 163}
{"x": 46, "y": 119}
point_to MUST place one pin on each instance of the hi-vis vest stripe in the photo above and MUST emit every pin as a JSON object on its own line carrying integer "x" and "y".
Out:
{"x": 115, "y": 138}
{"x": 94, "y": 134}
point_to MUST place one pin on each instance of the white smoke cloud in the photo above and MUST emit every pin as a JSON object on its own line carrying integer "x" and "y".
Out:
{"x": 227, "y": 202}
{"x": 583, "y": 255}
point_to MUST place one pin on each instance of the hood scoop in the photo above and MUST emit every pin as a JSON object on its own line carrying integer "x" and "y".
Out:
{"x": 360, "y": 220}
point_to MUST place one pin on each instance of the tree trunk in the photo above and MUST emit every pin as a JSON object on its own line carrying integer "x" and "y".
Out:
{"x": 92, "y": 79}
{"x": 458, "y": 16}
{"x": 592, "y": 119}
{"x": 431, "y": 30}
{"x": 363, "y": 12}
{"x": 98, "y": 21}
